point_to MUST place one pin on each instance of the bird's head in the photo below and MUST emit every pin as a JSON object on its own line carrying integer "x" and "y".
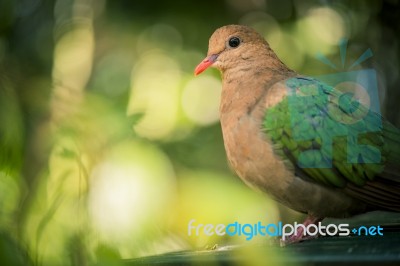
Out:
{"x": 232, "y": 45}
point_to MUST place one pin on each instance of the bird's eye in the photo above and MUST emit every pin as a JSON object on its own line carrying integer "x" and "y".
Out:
{"x": 234, "y": 42}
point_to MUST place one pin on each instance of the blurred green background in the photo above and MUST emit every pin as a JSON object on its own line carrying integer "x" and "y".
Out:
{"x": 108, "y": 143}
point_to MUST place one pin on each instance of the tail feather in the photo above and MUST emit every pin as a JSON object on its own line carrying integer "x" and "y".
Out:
{"x": 385, "y": 199}
{"x": 383, "y": 192}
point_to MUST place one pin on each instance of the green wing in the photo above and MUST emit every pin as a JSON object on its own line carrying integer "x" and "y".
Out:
{"x": 331, "y": 139}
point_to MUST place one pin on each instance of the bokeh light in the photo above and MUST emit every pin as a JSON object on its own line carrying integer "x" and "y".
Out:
{"x": 159, "y": 36}
{"x": 321, "y": 29}
{"x": 155, "y": 92}
{"x": 131, "y": 191}
{"x": 265, "y": 24}
{"x": 73, "y": 57}
{"x": 202, "y": 199}
{"x": 281, "y": 40}
{"x": 201, "y": 98}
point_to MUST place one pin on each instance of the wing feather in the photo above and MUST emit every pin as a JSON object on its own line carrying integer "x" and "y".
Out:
{"x": 335, "y": 141}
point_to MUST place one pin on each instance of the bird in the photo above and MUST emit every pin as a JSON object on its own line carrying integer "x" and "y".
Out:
{"x": 313, "y": 147}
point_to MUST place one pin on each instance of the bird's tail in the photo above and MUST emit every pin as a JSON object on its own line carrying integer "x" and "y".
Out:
{"x": 384, "y": 191}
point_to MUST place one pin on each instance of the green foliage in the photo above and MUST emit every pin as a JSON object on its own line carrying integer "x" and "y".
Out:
{"x": 11, "y": 128}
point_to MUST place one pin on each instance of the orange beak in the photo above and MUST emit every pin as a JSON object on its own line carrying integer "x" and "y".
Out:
{"x": 207, "y": 62}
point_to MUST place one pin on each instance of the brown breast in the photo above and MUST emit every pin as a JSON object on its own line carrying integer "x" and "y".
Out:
{"x": 251, "y": 155}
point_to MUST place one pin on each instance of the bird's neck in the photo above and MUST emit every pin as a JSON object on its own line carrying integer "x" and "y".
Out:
{"x": 246, "y": 83}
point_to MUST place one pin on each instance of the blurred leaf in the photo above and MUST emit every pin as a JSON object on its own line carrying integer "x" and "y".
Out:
{"x": 135, "y": 118}
{"x": 107, "y": 255}
{"x": 11, "y": 253}
{"x": 11, "y": 128}
{"x": 77, "y": 251}
{"x": 67, "y": 153}
{"x": 55, "y": 204}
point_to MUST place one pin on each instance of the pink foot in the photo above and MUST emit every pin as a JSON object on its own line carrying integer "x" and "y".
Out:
{"x": 300, "y": 235}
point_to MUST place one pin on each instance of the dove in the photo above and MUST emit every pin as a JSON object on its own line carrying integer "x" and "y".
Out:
{"x": 308, "y": 145}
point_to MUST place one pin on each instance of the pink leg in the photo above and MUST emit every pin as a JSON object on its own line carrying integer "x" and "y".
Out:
{"x": 299, "y": 235}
